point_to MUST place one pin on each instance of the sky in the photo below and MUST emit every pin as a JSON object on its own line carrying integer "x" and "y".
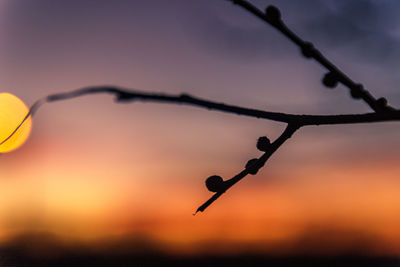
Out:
{"x": 94, "y": 172}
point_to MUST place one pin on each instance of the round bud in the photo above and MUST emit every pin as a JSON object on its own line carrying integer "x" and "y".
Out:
{"x": 330, "y": 80}
{"x": 273, "y": 13}
{"x": 263, "y": 143}
{"x": 215, "y": 183}
{"x": 381, "y": 102}
{"x": 307, "y": 49}
{"x": 251, "y": 166}
{"x": 357, "y": 92}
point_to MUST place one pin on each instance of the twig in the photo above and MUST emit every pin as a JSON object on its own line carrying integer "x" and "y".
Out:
{"x": 272, "y": 16}
{"x": 382, "y": 112}
{"x": 124, "y": 95}
{"x": 294, "y": 121}
{"x": 255, "y": 166}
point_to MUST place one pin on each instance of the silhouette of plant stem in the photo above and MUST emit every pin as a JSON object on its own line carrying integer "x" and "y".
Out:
{"x": 382, "y": 112}
{"x": 124, "y": 95}
{"x": 272, "y": 16}
{"x": 253, "y": 169}
{"x": 294, "y": 121}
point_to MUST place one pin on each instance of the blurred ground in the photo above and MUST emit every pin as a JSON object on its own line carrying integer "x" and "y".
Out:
{"x": 42, "y": 250}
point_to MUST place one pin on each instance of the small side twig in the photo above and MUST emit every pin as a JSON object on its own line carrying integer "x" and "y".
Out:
{"x": 253, "y": 166}
{"x": 272, "y": 16}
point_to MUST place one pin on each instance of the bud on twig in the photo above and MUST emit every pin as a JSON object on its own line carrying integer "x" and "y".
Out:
{"x": 308, "y": 50}
{"x": 251, "y": 166}
{"x": 215, "y": 183}
{"x": 381, "y": 102}
{"x": 273, "y": 14}
{"x": 357, "y": 92}
{"x": 263, "y": 143}
{"x": 330, "y": 80}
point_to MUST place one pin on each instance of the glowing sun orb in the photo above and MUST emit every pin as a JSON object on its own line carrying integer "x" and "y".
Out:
{"x": 12, "y": 112}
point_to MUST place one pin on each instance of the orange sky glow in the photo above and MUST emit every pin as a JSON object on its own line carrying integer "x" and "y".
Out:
{"x": 97, "y": 174}
{"x": 348, "y": 209}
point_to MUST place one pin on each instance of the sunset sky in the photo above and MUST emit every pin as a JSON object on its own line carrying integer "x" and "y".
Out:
{"x": 94, "y": 171}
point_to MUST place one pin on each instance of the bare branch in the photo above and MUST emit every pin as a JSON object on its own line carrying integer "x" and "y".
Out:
{"x": 272, "y": 16}
{"x": 124, "y": 95}
{"x": 382, "y": 112}
{"x": 252, "y": 168}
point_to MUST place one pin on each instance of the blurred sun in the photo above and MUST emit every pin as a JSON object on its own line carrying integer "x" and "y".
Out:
{"x": 12, "y": 112}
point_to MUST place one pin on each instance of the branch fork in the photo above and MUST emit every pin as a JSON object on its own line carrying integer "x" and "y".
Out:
{"x": 381, "y": 110}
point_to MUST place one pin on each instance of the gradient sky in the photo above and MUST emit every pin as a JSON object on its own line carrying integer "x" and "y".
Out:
{"x": 94, "y": 171}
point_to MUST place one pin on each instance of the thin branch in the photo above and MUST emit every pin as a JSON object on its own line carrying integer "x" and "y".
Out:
{"x": 254, "y": 167}
{"x": 124, "y": 95}
{"x": 273, "y": 17}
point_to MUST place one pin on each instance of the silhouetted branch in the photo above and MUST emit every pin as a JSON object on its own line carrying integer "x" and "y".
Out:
{"x": 272, "y": 16}
{"x": 215, "y": 183}
{"x": 124, "y": 95}
{"x": 294, "y": 121}
{"x": 252, "y": 167}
